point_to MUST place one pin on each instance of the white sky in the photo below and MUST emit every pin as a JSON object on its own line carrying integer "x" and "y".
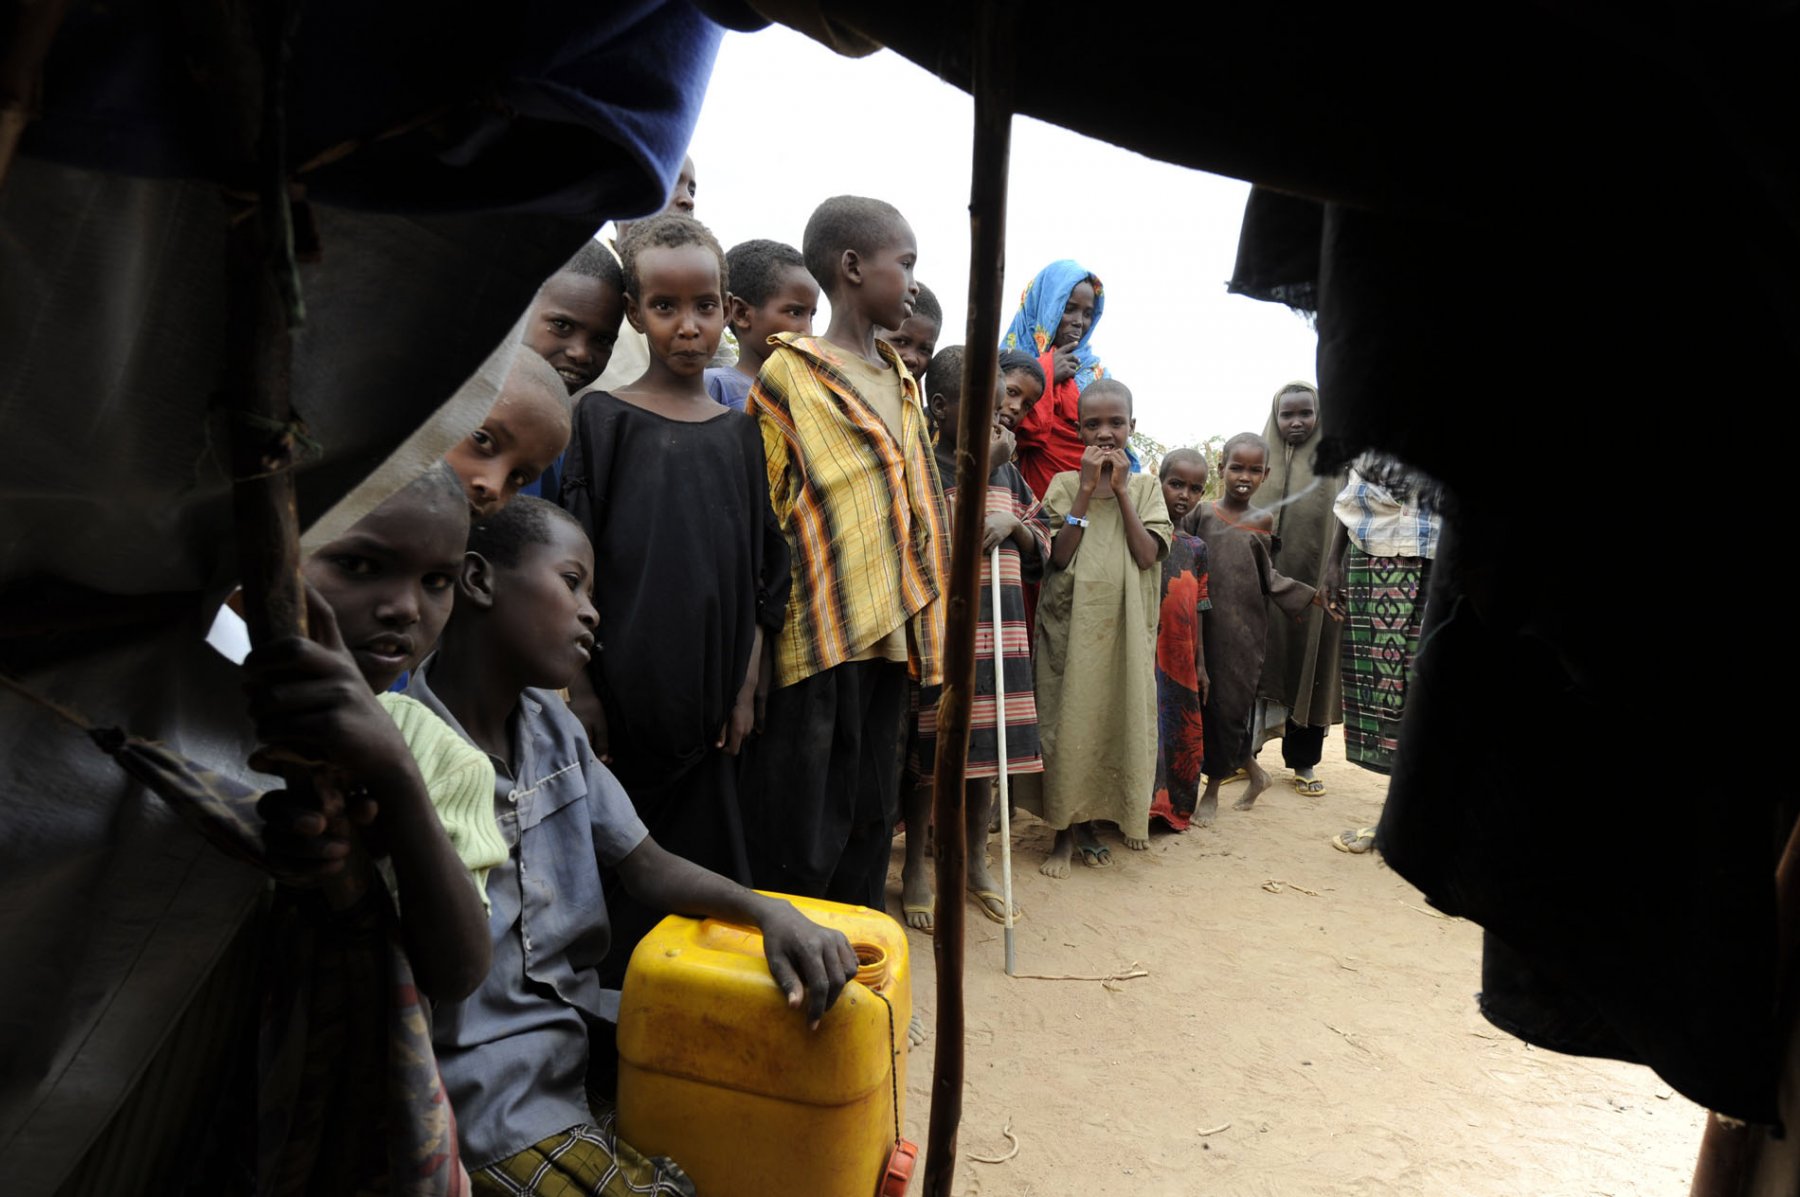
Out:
{"x": 1162, "y": 238}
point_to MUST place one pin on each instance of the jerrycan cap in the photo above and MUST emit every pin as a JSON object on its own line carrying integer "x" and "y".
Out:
{"x": 896, "y": 1178}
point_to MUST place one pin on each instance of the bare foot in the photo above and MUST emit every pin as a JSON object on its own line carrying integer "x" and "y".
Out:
{"x": 1259, "y": 781}
{"x": 1057, "y": 863}
{"x": 915, "y": 1030}
{"x": 1137, "y": 845}
{"x": 1207, "y": 813}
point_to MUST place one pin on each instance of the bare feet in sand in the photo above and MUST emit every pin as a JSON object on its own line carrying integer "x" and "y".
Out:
{"x": 1207, "y": 813}
{"x": 916, "y": 1032}
{"x": 1057, "y": 863}
{"x": 1137, "y": 845}
{"x": 1259, "y": 781}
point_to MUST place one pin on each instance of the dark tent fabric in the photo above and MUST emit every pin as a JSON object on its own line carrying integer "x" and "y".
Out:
{"x": 1552, "y": 249}
{"x": 461, "y": 155}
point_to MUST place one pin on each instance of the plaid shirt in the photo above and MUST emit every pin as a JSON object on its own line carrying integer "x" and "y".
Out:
{"x": 863, "y": 513}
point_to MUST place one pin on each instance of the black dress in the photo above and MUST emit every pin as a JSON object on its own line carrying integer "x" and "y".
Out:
{"x": 688, "y": 562}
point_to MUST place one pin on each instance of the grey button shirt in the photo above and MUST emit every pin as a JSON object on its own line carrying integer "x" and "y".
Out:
{"x": 514, "y": 1053}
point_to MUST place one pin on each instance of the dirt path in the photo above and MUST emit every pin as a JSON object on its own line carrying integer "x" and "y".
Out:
{"x": 1302, "y": 995}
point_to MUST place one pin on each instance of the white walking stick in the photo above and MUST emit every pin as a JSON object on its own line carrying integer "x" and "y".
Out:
{"x": 994, "y": 622}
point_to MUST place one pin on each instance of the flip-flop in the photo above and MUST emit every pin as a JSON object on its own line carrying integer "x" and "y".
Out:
{"x": 1312, "y": 787}
{"x": 929, "y": 910}
{"x": 1095, "y": 856}
{"x": 1355, "y": 840}
{"x": 993, "y": 904}
{"x": 1240, "y": 775}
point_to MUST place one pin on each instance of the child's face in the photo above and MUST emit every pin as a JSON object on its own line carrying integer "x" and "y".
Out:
{"x": 1018, "y": 396}
{"x": 1296, "y": 414}
{"x": 790, "y": 308}
{"x": 915, "y": 341}
{"x": 573, "y": 325}
{"x": 390, "y": 581}
{"x": 687, "y": 187}
{"x": 543, "y": 612}
{"x": 887, "y": 290}
{"x": 1182, "y": 487}
{"x": 1244, "y": 469}
{"x": 519, "y": 439}
{"x": 1106, "y": 419}
{"x": 679, "y": 308}
{"x": 1077, "y": 317}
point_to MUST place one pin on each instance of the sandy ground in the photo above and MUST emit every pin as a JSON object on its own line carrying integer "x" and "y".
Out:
{"x": 1301, "y": 1005}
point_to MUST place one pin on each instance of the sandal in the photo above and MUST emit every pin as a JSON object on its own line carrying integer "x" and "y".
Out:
{"x": 1355, "y": 840}
{"x": 1311, "y": 787}
{"x": 993, "y": 904}
{"x": 926, "y": 911}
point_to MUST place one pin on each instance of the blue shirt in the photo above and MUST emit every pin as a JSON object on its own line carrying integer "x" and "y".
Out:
{"x": 514, "y": 1053}
{"x": 729, "y": 386}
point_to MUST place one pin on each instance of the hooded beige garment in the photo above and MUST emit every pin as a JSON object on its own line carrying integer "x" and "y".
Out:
{"x": 1300, "y": 663}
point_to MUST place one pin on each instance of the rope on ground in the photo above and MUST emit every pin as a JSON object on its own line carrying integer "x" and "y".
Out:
{"x": 1130, "y": 972}
{"x": 999, "y": 1159}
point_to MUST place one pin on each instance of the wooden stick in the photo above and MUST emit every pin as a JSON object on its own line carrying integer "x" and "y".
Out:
{"x": 992, "y": 80}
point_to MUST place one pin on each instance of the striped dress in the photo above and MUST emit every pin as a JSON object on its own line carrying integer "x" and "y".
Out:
{"x": 1006, "y": 492}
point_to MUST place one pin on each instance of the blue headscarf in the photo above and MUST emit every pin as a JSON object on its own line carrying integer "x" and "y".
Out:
{"x": 1041, "y": 310}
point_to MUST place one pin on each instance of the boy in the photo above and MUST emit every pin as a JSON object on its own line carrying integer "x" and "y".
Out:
{"x": 854, "y": 485}
{"x": 523, "y": 434}
{"x": 574, "y": 324}
{"x": 386, "y": 586}
{"x": 771, "y": 292}
{"x": 915, "y": 338}
{"x": 514, "y": 1055}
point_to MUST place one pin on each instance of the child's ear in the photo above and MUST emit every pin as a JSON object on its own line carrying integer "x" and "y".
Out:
{"x": 737, "y": 312}
{"x": 631, "y": 313}
{"x": 475, "y": 584}
{"x": 850, "y": 266}
{"x": 937, "y": 405}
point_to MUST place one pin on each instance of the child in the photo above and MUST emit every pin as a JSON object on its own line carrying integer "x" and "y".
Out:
{"x": 1014, "y": 525}
{"x": 574, "y": 321}
{"x": 1300, "y": 690}
{"x": 854, "y": 485}
{"x": 522, "y": 435}
{"x": 915, "y": 338}
{"x": 672, "y": 491}
{"x": 1096, "y": 640}
{"x": 771, "y": 292}
{"x": 514, "y": 1055}
{"x": 574, "y": 324}
{"x": 1024, "y": 387}
{"x": 386, "y": 587}
{"x": 1181, "y": 681}
{"x": 1243, "y": 576}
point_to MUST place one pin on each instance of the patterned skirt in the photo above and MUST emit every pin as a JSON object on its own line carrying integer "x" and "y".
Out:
{"x": 1381, "y": 635}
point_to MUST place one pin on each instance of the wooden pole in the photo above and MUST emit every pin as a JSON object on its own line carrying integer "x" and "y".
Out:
{"x": 992, "y": 85}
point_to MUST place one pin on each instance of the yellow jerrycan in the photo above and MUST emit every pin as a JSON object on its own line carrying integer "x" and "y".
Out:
{"x": 718, "y": 1074}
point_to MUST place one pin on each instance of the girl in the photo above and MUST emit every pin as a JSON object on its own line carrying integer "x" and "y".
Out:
{"x": 692, "y": 570}
{"x": 1096, "y": 640}
{"x": 1013, "y": 524}
{"x": 1299, "y": 688}
{"x": 1055, "y": 321}
{"x": 1181, "y": 681}
{"x": 1243, "y": 578}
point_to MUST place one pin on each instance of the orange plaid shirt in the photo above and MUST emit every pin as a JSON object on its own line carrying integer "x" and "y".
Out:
{"x": 863, "y": 512}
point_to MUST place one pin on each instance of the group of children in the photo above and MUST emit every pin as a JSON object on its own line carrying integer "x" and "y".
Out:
{"x": 667, "y": 643}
